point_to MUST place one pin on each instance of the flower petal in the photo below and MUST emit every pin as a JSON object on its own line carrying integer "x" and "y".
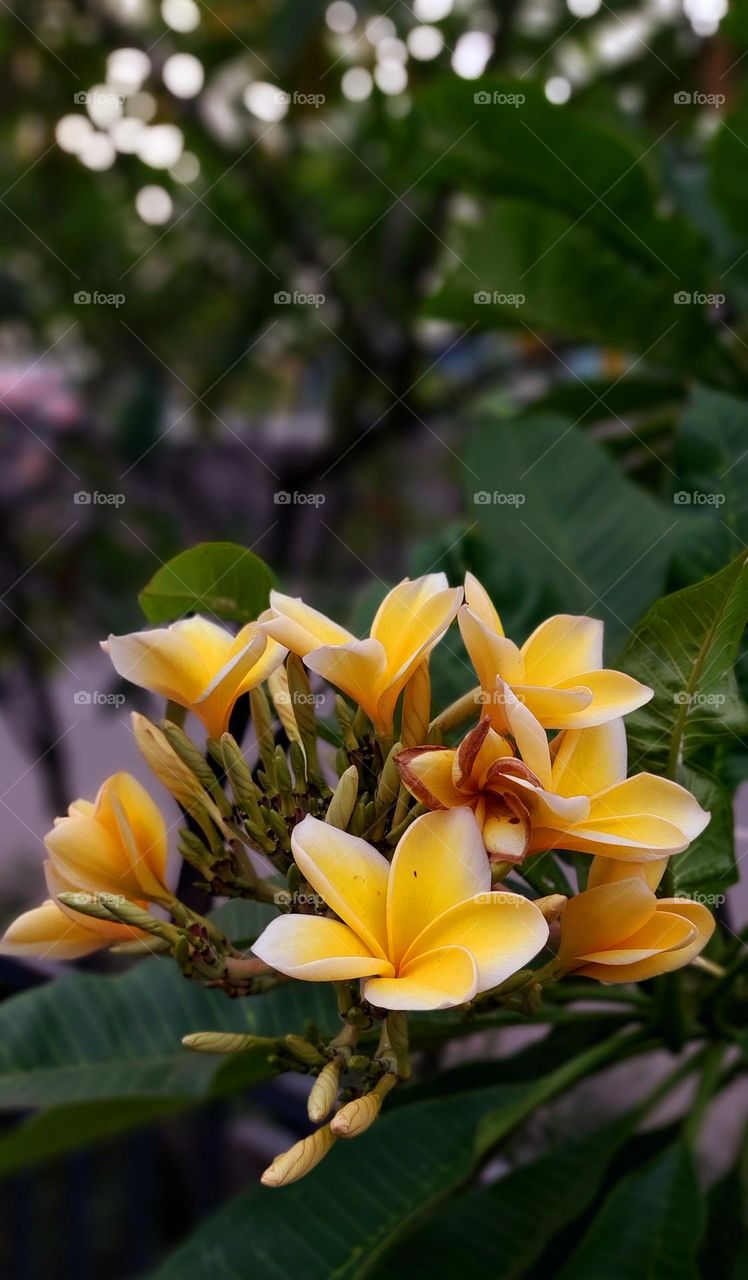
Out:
{"x": 47, "y": 933}
{"x": 247, "y": 665}
{"x": 90, "y": 856}
{"x": 664, "y": 931}
{"x": 587, "y": 761}
{"x": 177, "y": 662}
{"x": 693, "y": 913}
{"x": 646, "y": 795}
{"x": 317, "y": 950}
{"x": 135, "y": 821}
{"x": 607, "y": 870}
{"x": 439, "y": 862}
{"x": 492, "y": 655}
{"x": 553, "y": 707}
{"x": 358, "y": 667}
{"x": 599, "y": 918}
{"x": 427, "y": 773}
{"x": 479, "y": 602}
{"x": 434, "y": 980}
{"x": 613, "y": 694}
{"x": 509, "y": 715}
{"x": 502, "y": 931}
{"x": 299, "y": 627}
{"x": 562, "y": 646}
{"x": 349, "y": 874}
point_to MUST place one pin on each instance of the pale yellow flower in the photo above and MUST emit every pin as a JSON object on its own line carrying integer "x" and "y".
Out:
{"x": 411, "y": 619}
{"x": 197, "y": 664}
{"x": 117, "y": 844}
{"x": 53, "y": 931}
{"x": 557, "y": 674}
{"x": 620, "y": 932}
{"x": 571, "y": 795}
{"x": 424, "y": 932}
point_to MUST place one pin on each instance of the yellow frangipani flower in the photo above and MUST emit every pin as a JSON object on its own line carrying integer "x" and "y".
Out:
{"x": 117, "y": 844}
{"x": 424, "y": 932}
{"x": 573, "y": 794}
{"x": 197, "y": 664}
{"x": 53, "y": 931}
{"x": 411, "y": 619}
{"x": 620, "y": 932}
{"x": 557, "y": 674}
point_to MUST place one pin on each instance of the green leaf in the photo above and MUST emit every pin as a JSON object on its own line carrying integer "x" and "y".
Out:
{"x": 729, "y": 181}
{"x": 707, "y": 867}
{"x": 685, "y": 649}
{"x": 711, "y": 459}
{"x": 338, "y": 1220}
{"x": 101, "y": 1054}
{"x": 523, "y": 267}
{"x": 510, "y": 1222}
{"x": 649, "y": 1226}
{"x": 596, "y": 542}
{"x": 217, "y": 578}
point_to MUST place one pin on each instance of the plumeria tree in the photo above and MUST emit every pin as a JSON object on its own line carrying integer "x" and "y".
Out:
{"x": 409, "y": 873}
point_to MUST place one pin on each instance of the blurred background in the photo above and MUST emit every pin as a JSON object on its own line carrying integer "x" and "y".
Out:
{"x": 373, "y": 290}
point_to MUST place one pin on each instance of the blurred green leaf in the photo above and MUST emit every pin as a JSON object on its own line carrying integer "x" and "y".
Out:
{"x": 549, "y": 499}
{"x": 217, "y": 578}
{"x": 708, "y": 865}
{"x": 685, "y": 649}
{"x": 711, "y": 459}
{"x": 650, "y": 1226}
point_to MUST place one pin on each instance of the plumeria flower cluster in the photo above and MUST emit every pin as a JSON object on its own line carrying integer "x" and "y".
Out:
{"x": 395, "y": 851}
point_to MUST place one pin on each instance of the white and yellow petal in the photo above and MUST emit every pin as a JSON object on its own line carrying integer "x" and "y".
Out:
{"x": 492, "y": 655}
{"x": 300, "y": 628}
{"x": 359, "y": 668}
{"x": 317, "y": 949}
{"x": 47, "y": 933}
{"x": 588, "y": 761}
{"x": 349, "y": 875}
{"x": 177, "y": 662}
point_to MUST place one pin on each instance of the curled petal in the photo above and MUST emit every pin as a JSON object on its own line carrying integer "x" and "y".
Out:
{"x": 479, "y": 602}
{"x": 613, "y": 694}
{"x": 299, "y": 627}
{"x": 358, "y": 667}
{"x": 427, "y": 773}
{"x": 492, "y": 655}
{"x": 607, "y": 870}
{"x": 177, "y": 662}
{"x": 600, "y": 918}
{"x": 645, "y": 794}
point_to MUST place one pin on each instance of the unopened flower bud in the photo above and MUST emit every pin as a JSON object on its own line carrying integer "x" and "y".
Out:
{"x": 304, "y": 1156}
{"x": 324, "y": 1092}
{"x": 357, "y": 1116}
{"x": 417, "y": 707}
{"x": 343, "y": 800}
{"x": 225, "y": 1042}
{"x": 551, "y": 906}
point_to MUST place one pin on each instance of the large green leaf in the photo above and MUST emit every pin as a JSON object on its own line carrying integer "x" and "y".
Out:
{"x": 729, "y": 179}
{"x": 510, "y": 1222}
{"x": 575, "y": 524}
{"x": 711, "y": 459}
{"x": 217, "y": 578}
{"x": 707, "y": 867}
{"x": 523, "y": 267}
{"x": 649, "y": 1227}
{"x": 685, "y": 649}
{"x": 102, "y": 1054}
{"x": 367, "y": 1192}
